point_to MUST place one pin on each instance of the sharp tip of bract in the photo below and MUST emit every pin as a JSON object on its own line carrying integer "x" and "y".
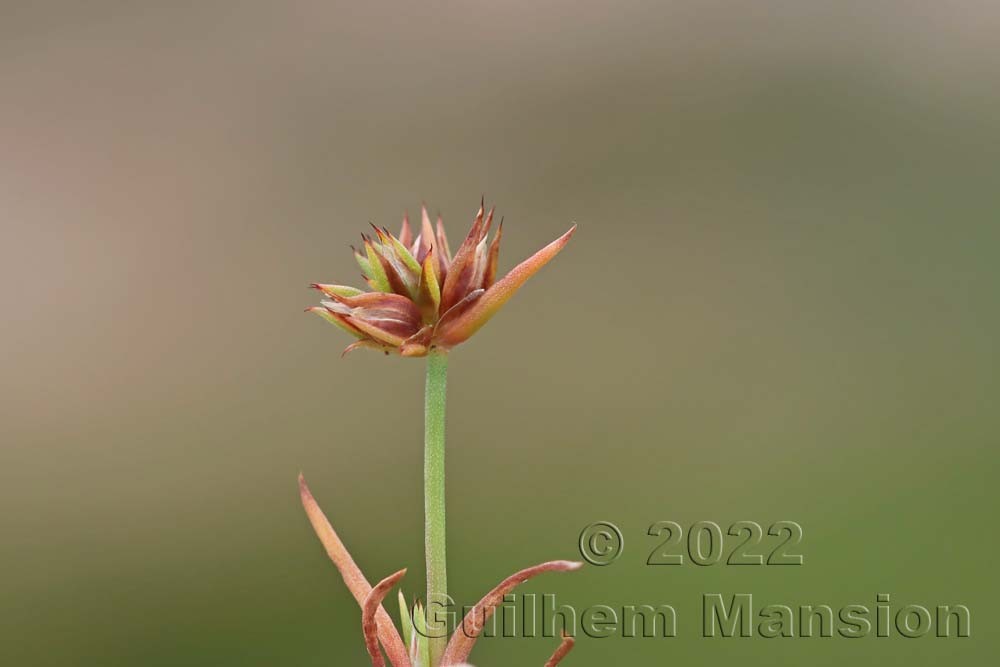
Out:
{"x": 564, "y": 239}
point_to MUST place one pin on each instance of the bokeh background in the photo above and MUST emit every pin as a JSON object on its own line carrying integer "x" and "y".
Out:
{"x": 781, "y": 303}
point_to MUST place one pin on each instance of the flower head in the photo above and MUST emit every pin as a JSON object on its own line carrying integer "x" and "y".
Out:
{"x": 423, "y": 296}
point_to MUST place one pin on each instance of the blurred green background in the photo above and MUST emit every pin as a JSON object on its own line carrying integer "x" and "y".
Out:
{"x": 781, "y": 303}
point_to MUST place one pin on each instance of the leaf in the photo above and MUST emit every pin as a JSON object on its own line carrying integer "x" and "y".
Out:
{"x": 464, "y": 638}
{"x": 420, "y": 649}
{"x": 565, "y": 647}
{"x": 405, "y": 620}
{"x": 371, "y": 605}
{"x": 352, "y": 576}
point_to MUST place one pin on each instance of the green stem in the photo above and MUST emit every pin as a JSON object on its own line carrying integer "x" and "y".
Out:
{"x": 434, "y": 506}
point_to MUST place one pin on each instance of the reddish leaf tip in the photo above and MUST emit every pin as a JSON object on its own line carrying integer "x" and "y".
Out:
{"x": 370, "y": 607}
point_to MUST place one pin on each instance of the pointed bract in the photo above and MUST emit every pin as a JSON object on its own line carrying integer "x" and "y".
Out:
{"x": 376, "y": 272}
{"x": 396, "y": 273}
{"x": 462, "y": 327}
{"x": 429, "y": 291}
{"x": 405, "y": 256}
{"x": 459, "y": 307}
{"x": 337, "y": 290}
{"x": 426, "y": 234}
{"x": 362, "y": 260}
{"x": 487, "y": 223}
{"x": 442, "y": 239}
{"x": 335, "y": 319}
{"x": 405, "y": 233}
{"x": 369, "y": 344}
{"x": 490, "y": 275}
{"x": 461, "y": 267}
{"x": 385, "y": 331}
{"x": 395, "y": 304}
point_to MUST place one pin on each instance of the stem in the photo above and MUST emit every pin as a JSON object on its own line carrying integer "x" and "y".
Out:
{"x": 434, "y": 505}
